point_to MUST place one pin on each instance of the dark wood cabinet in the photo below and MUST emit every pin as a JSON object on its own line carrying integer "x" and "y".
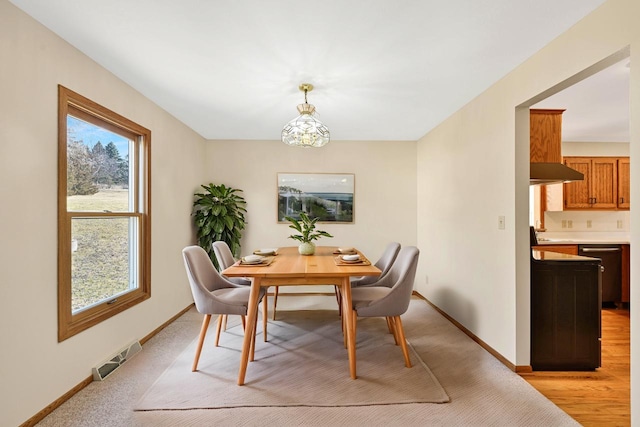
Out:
{"x": 565, "y": 315}
{"x": 563, "y": 249}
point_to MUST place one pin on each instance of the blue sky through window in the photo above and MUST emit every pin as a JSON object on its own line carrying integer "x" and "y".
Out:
{"x": 90, "y": 134}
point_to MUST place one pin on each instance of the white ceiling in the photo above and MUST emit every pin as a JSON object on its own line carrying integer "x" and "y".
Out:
{"x": 382, "y": 69}
{"x": 597, "y": 108}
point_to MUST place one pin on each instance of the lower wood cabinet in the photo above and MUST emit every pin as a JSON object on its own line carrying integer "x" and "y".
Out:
{"x": 563, "y": 249}
{"x": 565, "y": 315}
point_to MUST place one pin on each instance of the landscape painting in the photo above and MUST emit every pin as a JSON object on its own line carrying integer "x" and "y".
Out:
{"x": 326, "y": 196}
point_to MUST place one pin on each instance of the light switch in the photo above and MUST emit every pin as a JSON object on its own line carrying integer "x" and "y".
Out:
{"x": 501, "y": 222}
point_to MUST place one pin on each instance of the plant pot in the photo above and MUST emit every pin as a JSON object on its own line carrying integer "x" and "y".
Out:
{"x": 307, "y": 248}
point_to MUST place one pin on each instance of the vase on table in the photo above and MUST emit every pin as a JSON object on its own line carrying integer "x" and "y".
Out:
{"x": 307, "y": 248}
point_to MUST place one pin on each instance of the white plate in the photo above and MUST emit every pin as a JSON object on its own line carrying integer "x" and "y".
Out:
{"x": 252, "y": 259}
{"x": 265, "y": 251}
{"x": 346, "y": 250}
{"x": 351, "y": 258}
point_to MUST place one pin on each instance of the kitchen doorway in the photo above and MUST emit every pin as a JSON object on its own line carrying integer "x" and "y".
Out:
{"x": 618, "y": 61}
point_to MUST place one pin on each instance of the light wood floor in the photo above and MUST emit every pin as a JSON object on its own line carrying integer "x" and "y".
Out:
{"x": 602, "y": 397}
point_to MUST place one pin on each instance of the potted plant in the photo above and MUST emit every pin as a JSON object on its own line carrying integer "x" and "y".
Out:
{"x": 308, "y": 233}
{"x": 219, "y": 215}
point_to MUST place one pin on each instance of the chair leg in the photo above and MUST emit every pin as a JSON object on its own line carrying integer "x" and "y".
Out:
{"x": 391, "y": 324}
{"x": 264, "y": 317}
{"x": 244, "y": 322}
{"x": 252, "y": 349}
{"x": 403, "y": 342}
{"x": 275, "y": 300}
{"x": 219, "y": 327}
{"x": 203, "y": 332}
{"x": 338, "y": 299}
{"x": 224, "y": 324}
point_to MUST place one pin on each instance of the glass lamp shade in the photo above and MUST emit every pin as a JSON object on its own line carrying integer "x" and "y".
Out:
{"x": 305, "y": 130}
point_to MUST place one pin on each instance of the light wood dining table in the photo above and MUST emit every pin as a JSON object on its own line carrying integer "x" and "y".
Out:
{"x": 289, "y": 268}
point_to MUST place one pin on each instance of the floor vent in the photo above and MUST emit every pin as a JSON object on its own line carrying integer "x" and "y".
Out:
{"x": 101, "y": 371}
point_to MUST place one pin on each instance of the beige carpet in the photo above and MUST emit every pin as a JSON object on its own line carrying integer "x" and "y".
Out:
{"x": 303, "y": 364}
{"x": 483, "y": 392}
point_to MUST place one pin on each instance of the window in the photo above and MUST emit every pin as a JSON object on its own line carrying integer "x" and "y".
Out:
{"x": 103, "y": 213}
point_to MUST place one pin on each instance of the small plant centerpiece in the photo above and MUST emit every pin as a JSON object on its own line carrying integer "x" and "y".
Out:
{"x": 219, "y": 215}
{"x": 308, "y": 233}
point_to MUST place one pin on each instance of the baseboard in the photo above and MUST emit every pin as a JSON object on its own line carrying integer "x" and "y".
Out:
{"x": 492, "y": 351}
{"x": 68, "y": 395}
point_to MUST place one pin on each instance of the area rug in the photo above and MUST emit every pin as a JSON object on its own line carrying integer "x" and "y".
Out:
{"x": 304, "y": 363}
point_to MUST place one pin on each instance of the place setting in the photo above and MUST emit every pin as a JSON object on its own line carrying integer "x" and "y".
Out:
{"x": 349, "y": 256}
{"x": 259, "y": 258}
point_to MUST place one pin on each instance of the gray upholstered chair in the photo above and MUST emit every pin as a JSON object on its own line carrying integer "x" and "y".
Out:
{"x": 225, "y": 260}
{"x": 390, "y": 296}
{"x": 213, "y": 294}
{"x": 384, "y": 263}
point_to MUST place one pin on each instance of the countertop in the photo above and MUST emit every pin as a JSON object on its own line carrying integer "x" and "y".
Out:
{"x": 579, "y": 238}
{"x": 555, "y": 256}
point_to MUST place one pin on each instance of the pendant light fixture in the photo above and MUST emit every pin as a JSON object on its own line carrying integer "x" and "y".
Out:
{"x": 305, "y": 130}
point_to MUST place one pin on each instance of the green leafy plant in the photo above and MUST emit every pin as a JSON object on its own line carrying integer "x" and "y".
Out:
{"x": 219, "y": 215}
{"x": 306, "y": 227}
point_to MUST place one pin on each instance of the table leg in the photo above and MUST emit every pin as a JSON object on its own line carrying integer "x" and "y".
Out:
{"x": 252, "y": 314}
{"x": 347, "y": 314}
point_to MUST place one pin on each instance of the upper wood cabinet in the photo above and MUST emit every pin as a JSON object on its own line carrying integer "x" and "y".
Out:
{"x": 545, "y": 134}
{"x": 602, "y": 184}
{"x": 624, "y": 193}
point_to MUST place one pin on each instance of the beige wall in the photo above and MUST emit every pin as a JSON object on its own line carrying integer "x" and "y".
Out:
{"x": 35, "y": 369}
{"x": 588, "y": 149}
{"x": 385, "y": 181}
{"x": 474, "y": 168}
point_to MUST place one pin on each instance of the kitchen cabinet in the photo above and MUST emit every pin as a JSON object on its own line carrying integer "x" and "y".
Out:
{"x": 545, "y": 136}
{"x": 598, "y": 190}
{"x": 565, "y": 315}
{"x": 624, "y": 193}
{"x": 563, "y": 249}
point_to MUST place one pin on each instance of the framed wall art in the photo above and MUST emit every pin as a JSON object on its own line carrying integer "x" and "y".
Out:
{"x": 326, "y": 196}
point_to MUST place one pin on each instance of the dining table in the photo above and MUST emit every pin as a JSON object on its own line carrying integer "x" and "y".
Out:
{"x": 288, "y": 267}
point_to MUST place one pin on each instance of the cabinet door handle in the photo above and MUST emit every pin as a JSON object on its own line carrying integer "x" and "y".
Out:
{"x": 600, "y": 249}
{"x": 621, "y": 199}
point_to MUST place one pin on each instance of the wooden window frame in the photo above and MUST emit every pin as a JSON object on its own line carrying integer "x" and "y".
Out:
{"x": 69, "y": 323}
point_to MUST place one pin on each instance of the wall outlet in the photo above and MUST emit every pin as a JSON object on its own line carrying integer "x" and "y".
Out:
{"x": 588, "y": 223}
{"x": 569, "y": 223}
{"x": 564, "y": 223}
{"x": 501, "y": 222}
{"x": 619, "y": 224}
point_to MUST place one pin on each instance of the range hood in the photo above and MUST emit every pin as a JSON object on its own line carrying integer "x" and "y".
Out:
{"x": 545, "y": 149}
{"x": 552, "y": 173}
